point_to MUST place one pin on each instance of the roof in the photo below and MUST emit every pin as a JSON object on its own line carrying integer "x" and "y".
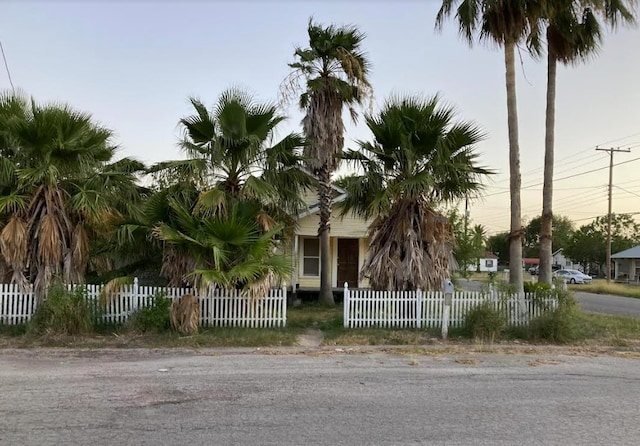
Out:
{"x": 530, "y": 261}
{"x": 339, "y": 194}
{"x": 489, "y": 255}
{"x": 631, "y": 253}
{"x": 558, "y": 251}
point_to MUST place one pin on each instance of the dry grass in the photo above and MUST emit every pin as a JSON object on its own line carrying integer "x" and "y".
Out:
{"x": 599, "y": 286}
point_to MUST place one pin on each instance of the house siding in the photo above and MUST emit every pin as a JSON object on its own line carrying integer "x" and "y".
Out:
{"x": 349, "y": 226}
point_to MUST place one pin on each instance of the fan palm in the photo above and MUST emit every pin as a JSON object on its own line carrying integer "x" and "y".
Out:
{"x": 230, "y": 157}
{"x": 506, "y": 23}
{"x": 57, "y": 184}
{"x": 420, "y": 158}
{"x": 230, "y": 252}
{"x": 573, "y": 34}
{"x": 336, "y": 73}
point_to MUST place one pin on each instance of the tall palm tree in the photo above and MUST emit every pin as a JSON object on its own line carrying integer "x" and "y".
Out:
{"x": 58, "y": 188}
{"x": 232, "y": 161}
{"x": 479, "y": 238}
{"x": 336, "y": 73}
{"x": 506, "y": 23}
{"x": 420, "y": 158}
{"x": 573, "y": 35}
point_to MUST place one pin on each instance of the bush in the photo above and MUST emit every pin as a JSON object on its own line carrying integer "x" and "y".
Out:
{"x": 154, "y": 317}
{"x": 560, "y": 325}
{"x": 485, "y": 322}
{"x": 537, "y": 288}
{"x": 64, "y": 312}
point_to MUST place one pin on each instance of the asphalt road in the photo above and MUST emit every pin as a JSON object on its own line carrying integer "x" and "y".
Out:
{"x": 595, "y": 303}
{"x": 168, "y": 398}
{"x": 607, "y": 304}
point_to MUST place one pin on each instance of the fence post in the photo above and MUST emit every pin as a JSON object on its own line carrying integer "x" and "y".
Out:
{"x": 283, "y": 304}
{"x": 346, "y": 305}
{"x": 418, "y": 308}
{"x": 135, "y": 296}
{"x": 448, "y": 295}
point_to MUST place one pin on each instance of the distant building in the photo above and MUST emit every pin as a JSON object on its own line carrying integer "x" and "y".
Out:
{"x": 487, "y": 263}
{"x": 560, "y": 261}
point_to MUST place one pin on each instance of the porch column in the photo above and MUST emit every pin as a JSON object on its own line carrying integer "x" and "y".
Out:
{"x": 616, "y": 267}
{"x": 295, "y": 267}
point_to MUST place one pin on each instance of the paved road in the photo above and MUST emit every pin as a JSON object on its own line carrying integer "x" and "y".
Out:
{"x": 155, "y": 398}
{"x": 595, "y": 303}
{"x": 606, "y": 304}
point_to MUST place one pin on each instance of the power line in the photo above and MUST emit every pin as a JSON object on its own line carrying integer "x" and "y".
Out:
{"x": 6, "y": 66}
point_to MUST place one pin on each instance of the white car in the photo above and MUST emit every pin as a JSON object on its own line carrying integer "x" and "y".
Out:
{"x": 572, "y": 276}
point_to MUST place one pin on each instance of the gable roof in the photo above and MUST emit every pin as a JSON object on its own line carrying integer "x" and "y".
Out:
{"x": 631, "y": 253}
{"x": 489, "y": 255}
{"x": 339, "y": 194}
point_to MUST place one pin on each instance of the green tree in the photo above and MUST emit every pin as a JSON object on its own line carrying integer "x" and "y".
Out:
{"x": 588, "y": 244}
{"x": 420, "y": 158}
{"x": 573, "y": 34}
{"x": 336, "y": 73}
{"x": 505, "y": 23}
{"x": 499, "y": 245}
{"x": 232, "y": 164}
{"x": 60, "y": 189}
{"x": 562, "y": 231}
{"x": 478, "y": 239}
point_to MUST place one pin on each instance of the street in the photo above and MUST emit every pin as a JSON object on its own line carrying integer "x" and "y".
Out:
{"x": 608, "y": 304}
{"x": 165, "y": 397}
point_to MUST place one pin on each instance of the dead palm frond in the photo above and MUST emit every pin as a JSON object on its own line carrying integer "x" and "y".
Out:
{"x": 184, "y": 314}
{"x": 111, "y": 289}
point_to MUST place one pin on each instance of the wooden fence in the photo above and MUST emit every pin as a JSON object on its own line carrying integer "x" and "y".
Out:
{"x": 425, "y": 309}
{"x": 219, "y": 308}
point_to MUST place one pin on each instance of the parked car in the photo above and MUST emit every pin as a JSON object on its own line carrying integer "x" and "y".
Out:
{"x": 533, "y": 270}
{"x": 572, "y": 276}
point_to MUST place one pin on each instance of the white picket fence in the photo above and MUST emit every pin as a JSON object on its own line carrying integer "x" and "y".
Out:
{"x": 425, "y": 309}
{"x": 220, "y": 308}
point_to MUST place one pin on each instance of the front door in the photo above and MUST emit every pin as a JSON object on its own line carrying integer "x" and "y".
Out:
{"x": 348, "y": 249}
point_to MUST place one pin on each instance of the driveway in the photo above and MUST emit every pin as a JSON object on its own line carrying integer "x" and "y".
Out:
{"x": 150, "y": 397}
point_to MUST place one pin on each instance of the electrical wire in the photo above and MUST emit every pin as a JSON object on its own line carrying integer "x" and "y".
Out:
{"x": 6, "y": 66}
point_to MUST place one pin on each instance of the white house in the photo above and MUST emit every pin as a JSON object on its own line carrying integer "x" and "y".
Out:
{"x": 487, "y": 263}
{"x": 559, "y": 259}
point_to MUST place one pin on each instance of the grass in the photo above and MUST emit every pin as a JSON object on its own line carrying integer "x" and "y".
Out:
{"x": 594, "y": 329}
{"x": 599, "y": 286}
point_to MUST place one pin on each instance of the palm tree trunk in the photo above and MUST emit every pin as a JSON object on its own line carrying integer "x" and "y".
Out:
{"x": 547, "y": 189}
{"x": 324, "y": 229}
{"x": 515, "y": 236}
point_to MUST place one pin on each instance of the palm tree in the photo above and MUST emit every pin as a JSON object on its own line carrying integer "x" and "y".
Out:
{"x": 419, "y": 159}
{"x": 59, "y": 188}
{"x": 506, "y": 23}
{"x": 573, "y": 35}
{"x": 336, "y": 73}
{"x": 232, "y": 161}
{"x": 231, "y": 251}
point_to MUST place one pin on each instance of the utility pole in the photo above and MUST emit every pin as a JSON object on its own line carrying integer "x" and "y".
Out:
{"x": 611, "y": 151}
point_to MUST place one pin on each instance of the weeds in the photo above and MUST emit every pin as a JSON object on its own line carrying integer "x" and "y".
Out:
{"x": 64, "y": 312}
{"x": 152, "y": 318}
{"x": 485, "y": 322}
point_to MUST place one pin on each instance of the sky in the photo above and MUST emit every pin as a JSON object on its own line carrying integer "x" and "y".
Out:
{"x": 134, "y": 64}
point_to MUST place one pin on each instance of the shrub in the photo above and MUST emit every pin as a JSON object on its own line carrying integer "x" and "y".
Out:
{"x": 537, "y": 288}
{"x": 485, "y": 322}
{"x": 560, "y": 325}
{"x": 154, "y": 317}
{"x": 64, "y": 312}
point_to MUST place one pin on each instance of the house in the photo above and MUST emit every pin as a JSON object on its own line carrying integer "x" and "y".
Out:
{"x": 627, "y": 264}
{"x": 348, "y": 245}
{"x": 529, "y": 262}
{"x": 489, "y": 262}
{"x": 562, "y": 262}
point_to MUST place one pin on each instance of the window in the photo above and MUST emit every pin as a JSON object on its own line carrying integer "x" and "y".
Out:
{"x": 488, "y": 263}
{"x": 311, "y": 257}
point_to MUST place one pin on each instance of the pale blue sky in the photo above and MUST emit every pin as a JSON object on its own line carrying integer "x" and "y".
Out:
{"x": 134, "y": 64}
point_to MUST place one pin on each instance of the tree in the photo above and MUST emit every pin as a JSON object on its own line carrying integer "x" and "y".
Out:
{"x": 478, "y": 243}
{"x": 336, "y": 73}
{"x": 588, "y": 244}
{"x": 499, "y": 245}
{"x": 573, "y": 34}
{"x": 562, "y": 231}
{"x": 232, "y": 163}
{"x": 59, "y": 189}
{"x": 420, "y": 158}
{"x": 506, "y": 23}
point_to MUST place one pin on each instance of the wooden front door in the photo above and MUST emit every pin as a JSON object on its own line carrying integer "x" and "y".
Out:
{"x": 348, "y": 249}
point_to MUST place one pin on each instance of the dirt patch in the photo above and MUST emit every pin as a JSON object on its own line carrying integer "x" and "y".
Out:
{"x": 310, "y": 338}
